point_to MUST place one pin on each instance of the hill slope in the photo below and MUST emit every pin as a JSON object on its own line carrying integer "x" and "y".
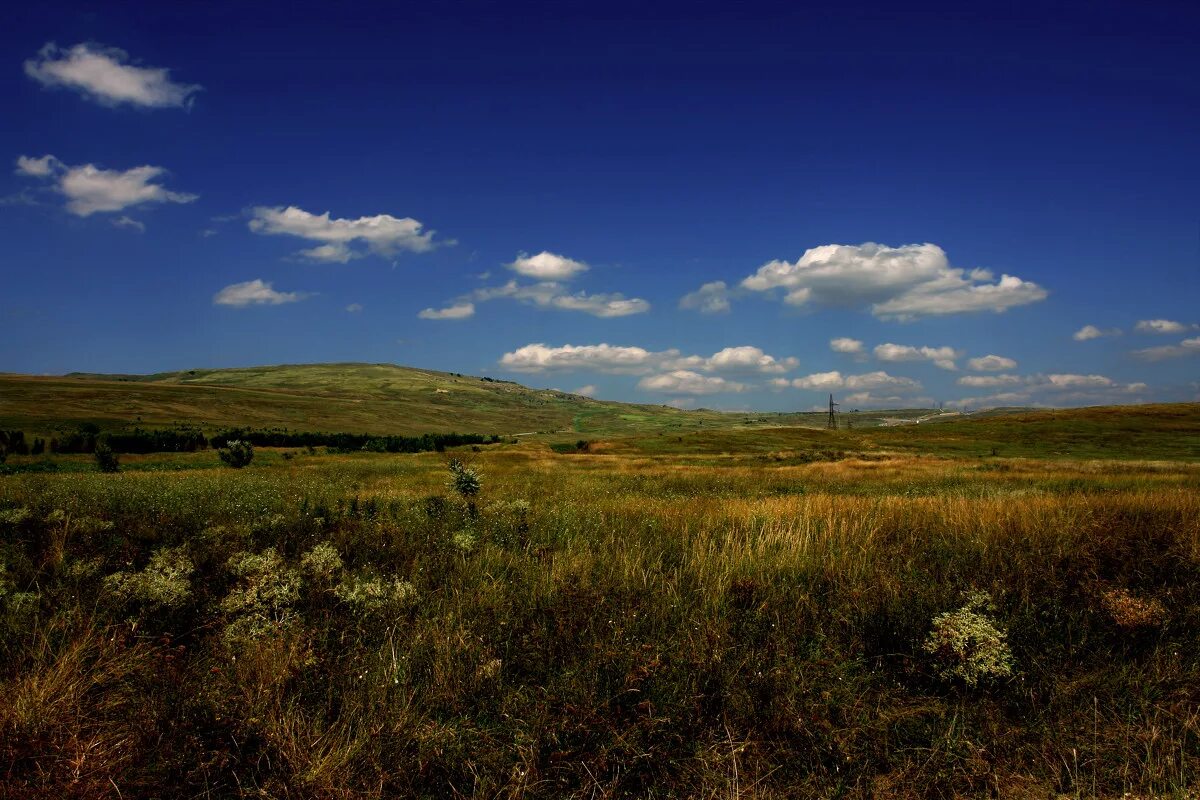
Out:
{"x": 371, "y": 398}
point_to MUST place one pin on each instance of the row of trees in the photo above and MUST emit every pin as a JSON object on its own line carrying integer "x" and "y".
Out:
{"x": 183, "y": 439}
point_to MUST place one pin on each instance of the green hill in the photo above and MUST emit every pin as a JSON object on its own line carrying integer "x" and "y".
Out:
{"x": 370, "y": 398}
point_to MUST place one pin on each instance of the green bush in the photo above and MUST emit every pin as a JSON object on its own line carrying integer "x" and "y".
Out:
{"x": 967, "y": 645}
{"x": 106, "y": 459}
{"x": 236, "y": 453}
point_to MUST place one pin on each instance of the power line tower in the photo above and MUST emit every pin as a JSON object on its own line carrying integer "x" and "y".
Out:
{"x": 832, "y": 423}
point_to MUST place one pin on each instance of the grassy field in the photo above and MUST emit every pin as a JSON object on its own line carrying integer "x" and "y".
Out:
{"x": 739, "y": 611}
{"x": 360, "y": 398}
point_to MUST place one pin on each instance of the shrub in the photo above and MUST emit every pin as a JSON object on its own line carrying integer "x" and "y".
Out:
{"x": 369, "y": 595}
{"x": 322, "y": 562}
{"x": 236, "y": 453}
{"x": 262, "y": 602}
{"x": 967, "y": 645}
{"x": 464, "y": 480}
{"x": 106, "y": 459}
{"x": 163, "y": 585}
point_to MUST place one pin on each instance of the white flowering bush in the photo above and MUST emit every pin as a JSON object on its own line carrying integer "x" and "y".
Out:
{"x": 263, "y": 600}
{"x": 164, "y": 585}
{"x": 967, "y": 645}
{"x": 322, "y": 562}
{"x": 236, "y": 453}
{"x": 371, "y": 595}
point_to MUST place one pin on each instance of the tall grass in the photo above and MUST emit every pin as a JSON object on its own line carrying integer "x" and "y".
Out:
{"x": 599, "y": 626}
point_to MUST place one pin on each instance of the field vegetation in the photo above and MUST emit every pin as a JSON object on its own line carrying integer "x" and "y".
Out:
{"x": 768, "y": 613}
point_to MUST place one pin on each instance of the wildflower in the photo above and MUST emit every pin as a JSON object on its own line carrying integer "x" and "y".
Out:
{"x": 163, "y": 584}
{"x": 1131, "y": 613}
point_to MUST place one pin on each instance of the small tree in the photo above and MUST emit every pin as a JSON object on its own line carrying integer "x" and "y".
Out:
{"x": 106, "y": 459}
{"x": 236, "y": 453}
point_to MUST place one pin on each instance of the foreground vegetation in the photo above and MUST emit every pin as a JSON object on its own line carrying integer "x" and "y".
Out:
{"x": 779, "y": 619}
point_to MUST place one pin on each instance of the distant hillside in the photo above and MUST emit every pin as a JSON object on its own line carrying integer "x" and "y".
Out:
{"x": 371, "y": 398}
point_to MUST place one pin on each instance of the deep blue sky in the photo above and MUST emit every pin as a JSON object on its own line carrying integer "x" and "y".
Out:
{"x": 664, "y": 146}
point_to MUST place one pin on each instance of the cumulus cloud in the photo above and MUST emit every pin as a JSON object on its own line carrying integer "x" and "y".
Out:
{"x": 904, "y": 282}
{"x": 588, "y": 390}
{"x": 1161, "y": 326}
{"x": 865, "y": 382}
{"x": 1088, "y": 332}
{"x": 683, "y": 381}
{"x": 711, "y": 298}
{"x": 870, "y": 399}
{"x": 382, "y": 234}
{"x": 354, "y": 308}
{"x": 1055, "y": 389}
{"x": 747, "y": 359}
{"x": 456, "y": 311}
{"x": 943, "y": 357}
{"x": 638, "y": 360}
{"x": 1188, "y": 347}
{"x": 990, "y": 363}
{"x": 547, "y": 266}
{"x": 254, "y": 293}
{"x": 845, "y": 344}
{"x": 551, "y": 294}
{"x": 130, "y": 223}
{"x": 105, "y": 75}
{"x": 90, "y": 189}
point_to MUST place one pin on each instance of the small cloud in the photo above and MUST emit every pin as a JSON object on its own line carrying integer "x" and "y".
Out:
{"x": 1161, "y": 326}
{"x": 1089, "y": 332}
{"x": 1188, "y": 347}
{"x": 844, "y": 344}
{"x": 547, "y": 266}
{"x": 550, "y": 294}
{"x": 456, "y": 311}
{"x": 208, "y": 233}
{"x": 588, "y": 390}
{"x": 382, "y": 234}
{"x": 682, "y": 381}
{"x": 90, "y": 189}
{"x": 129, "y": 222}
{"x": 711, "y": 298}
{"x": 256, "y": 292}
{"x": 354, "y": 308}
{"x": 942, "y": 357}
{"x": 105, "y": 75}
{"x": 991, "y": 363}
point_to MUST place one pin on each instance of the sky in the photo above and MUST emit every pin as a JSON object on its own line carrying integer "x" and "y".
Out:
{"x": 734, "y": 206}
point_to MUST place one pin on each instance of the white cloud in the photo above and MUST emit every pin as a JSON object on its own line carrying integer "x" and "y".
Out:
{"x": 547, "y": 266}
{"x": 1160, "y": 326}
{"x": 683, "y": 381}
{"x": 90, "y": 189}
{"x": 42, "y": 167}
{"x": 1072, "y": 381}
{"x": 871, "y": 400}
{"x": 747, "y": 359}
{"x": 640, "y": 361}
{"x": 943, "y": 357}
{"x": 846, "y": 345}
{"x": 1088, "y": 332}
{"x": 131, "y": 223}
{"x": 868, "y": 381}
{"x": 1188, "y": 347}
{"x": 103, "y": 74}
{"x": 354, "y": 308}
{"x": 587, "y": 390}
{"x": 381, "y": 234}
{"x": 711, "y": 298}
{"x": 990, "y": 363}
{"x": 898, "y": 282}
{"x": 988, "y": 381}
{"x": 550, "y": 294}
{"x": 255, "y": 292}
{"x": 456, "y": 311}
{"x": 602, "y": 357}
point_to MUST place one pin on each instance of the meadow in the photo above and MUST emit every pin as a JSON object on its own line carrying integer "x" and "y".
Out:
{"x": 763, "y": 614}
{"x": 602, "y": 600}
